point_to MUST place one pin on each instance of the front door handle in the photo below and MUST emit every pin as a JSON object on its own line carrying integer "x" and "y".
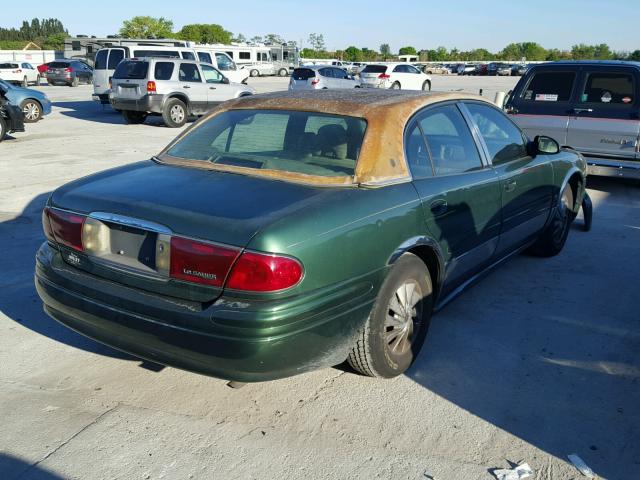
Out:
{"x": 510, "y": 185}
{"x": 212, "y": 88}
{"x": 439, "y": 207}
{"x": 582, "y": 110}
{"x": 186, "y": 86}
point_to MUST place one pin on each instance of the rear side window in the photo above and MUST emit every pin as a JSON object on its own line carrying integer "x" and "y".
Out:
{"x": 609, "y": 88}
{"x": 132, "y": 70}
{"x": 189, "y": 73}
{"x": 417, "y": 153}
{"x": 163, "y": 70}
{"x": 156, "y": 53}
{"x": 101, "y": 60}
{"x": 204, "y": 57}
{"x": 375, "y": 69}
{"x": 115, "y": 57}
{"x": 549, "y": 87}
{"x": 326, "y": 72}
{"x": 9, "y": 65}
{"x": 188, "y": 56}
{"x": 303, "y": 74}
{"x": 449, "y": 140}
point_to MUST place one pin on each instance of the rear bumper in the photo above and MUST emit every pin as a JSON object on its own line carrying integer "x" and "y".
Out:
{"x": 231, "y": 339}
{"x": 103, "y": 98}
{"x": 613, "y": 168}
{"x": 146, "y": 103}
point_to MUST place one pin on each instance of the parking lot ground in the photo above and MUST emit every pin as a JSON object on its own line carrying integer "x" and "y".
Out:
{"x": 540, "y": 359}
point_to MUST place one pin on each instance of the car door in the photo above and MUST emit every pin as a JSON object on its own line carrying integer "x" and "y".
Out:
{"x": 541, "y": 105}
{"x": 605, "y": 119}
{"x": 526, "y": 182}
{"x": 327, "y": 77}
{"x": 342, "y": 79}
{"x": 191, "y": 82}
{"x": 32, "y": 73}
{"x": 460, "y": 193}
{"x": 399, "y": 74}
{"x": 218, "y": 90}
{"x": 414, "y": 77}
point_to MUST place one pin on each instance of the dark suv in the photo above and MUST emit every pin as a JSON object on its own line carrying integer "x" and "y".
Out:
{"x": 69, "y": 72}
{"x": 10, "y": 117}
{"x": 591, "y": 106}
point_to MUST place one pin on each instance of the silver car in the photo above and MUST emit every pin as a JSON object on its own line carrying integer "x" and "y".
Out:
{"x": 173, "y": 88}
{"x": 321, "y": 77}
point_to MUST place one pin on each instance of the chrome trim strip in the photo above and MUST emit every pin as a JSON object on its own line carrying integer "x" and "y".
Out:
{"x": 130, "y": 222}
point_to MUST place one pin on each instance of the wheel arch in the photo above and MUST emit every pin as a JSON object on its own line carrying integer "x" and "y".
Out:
{"x": 577, "y": 181}
{"x": 427, "y": 250}
{"x": 180, "y": 96}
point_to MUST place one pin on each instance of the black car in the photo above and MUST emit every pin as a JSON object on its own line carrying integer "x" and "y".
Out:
{"x": 69, "y": 72}
{"x": 11, "y": 118}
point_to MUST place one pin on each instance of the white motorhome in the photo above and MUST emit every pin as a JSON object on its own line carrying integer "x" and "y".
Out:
{"x": 107, "y": 59}
{"x": 256, "y": 59}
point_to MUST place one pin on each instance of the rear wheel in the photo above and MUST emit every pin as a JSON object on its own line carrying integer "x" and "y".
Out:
{"x": 31, "y": 110}
{"x": 134, "y": 118}
{"x": 283, "y": 72}
{"x": 74, "y": 82}
{"x": 38, "y": 78}
{"x": 393, "y": 334}
{"x": 395, "y": 86}
{"x": 426, "y": 86}
{"x": 554, "y": 236}
{"x": 3, "y": 128}
{"x": 25, "y": 82}
{"x": 174, "y": 113}
{"x": 254, "y": 73}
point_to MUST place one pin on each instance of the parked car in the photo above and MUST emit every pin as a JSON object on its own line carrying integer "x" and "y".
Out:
{"x": 498, "y": 69}
{"x": 481, "y": 69}
{"x": 591, "y": 106}
{"x": 466, "y": 69}
{"x": 11, "y": 119}
{"x": 173, "y": 88}
{"x": 435, "y": 69}
{"x": 276, "y": 236}
{"x": 33, "y": 103}
{"x": 107, "y": 59}
{"x": 42, "y": 70}
{"x": 69, "y": 72}
{"x": 518, "y": 70}
{"x": 321, "y": 77}
{"x": 395, "y": 76}
{"x": 21, "y": 73}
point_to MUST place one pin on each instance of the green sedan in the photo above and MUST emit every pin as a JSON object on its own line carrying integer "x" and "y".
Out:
{"x": 292, "y": 231}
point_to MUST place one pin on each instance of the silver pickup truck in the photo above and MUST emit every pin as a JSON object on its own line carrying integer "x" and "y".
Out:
{"x": 591, "y": 106}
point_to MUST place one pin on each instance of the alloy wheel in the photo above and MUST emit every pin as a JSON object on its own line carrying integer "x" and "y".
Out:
{"x": 31, "y": 111}
{"x": 403, "y": 315}
{"x": 177, "y": 113}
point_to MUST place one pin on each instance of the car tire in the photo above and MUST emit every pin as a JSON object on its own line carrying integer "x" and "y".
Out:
{"x": 25, "y": 82}
{"x": 391, "y": 339}
{"x": 133, "y": 118}
{"x": 283, "y": 72}
{"x": 396, "y": 86}
{"x": 174, "y": 113}
{"x": 426, "y": 86}
{"x": 74, "y": 82}
{"x": 31, "y": 111}
{"x": 254, "y": 73}
{"x": 3, "y": 129}
{"x": 554, "y": 236}
{"x": 38, "y": 78}
{"x": 50, "y": 82}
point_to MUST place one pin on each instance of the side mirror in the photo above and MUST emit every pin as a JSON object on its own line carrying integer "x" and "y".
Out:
{"x": 225, "y": 80}
{"x": 545, "y": 145}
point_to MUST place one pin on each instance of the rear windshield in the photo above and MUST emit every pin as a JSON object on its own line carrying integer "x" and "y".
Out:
{"x": 59, "y": 65}
{"x": 303, "y": 74}
{"x": 375, "y": 69}
{"x": 8, "y": 65}
{"x": 132, "y": 70}
{"x": 291, "y": 141}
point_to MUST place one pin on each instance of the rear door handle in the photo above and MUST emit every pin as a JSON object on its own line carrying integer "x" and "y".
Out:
{"x": 438, "y": 207}
{"x": 510, "y": 185}
{"x": 186, "y": 86}
{"x": 212, "y": 88}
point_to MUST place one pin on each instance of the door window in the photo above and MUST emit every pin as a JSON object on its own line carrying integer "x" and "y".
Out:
{"x": 326, "y": 72}
{"x": 400, "y": 69}
{"x": 449, "y": 140}
{"x": 549, "y": 87}
{"x": 211, "y": 75}
{"x": 204, "y": 57}
{"x": 412, "y": 69}
{"x": 504, "y": 140}
{"x": 417, "y": 154}
{"x": 189, "y": 73}
{"x": 115, "y": 56}
{"x": 101, "y": 60}
{"x": 188, "y": 56}
{"x": 609, "y": 89}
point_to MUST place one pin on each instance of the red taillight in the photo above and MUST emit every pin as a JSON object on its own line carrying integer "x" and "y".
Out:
{"x": 315, "y": 81}
{"x": 384, "y": 76}
{"x": 63, "y": 227}
{"x": 17, "y": 71}
{"x": 200, "y": 262}
{"x": 151, "y": 87}
{"x": 258, "y": 272}
{"x": 68, "y": 70}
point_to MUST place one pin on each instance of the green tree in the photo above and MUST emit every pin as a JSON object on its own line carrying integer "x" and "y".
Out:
{"x": 316, "y": 40}
{"x": 274, "y": 39}
{"x": 407, "y": 51}
{"x": 240, "y": 38}
{"x": 635, "y": 56}
{"x": 256, "y": 39}
{"x": 385, "y": 51}
{"x": 54, "y": 41}
{"x": 353, "y": 54}
{"x": 147, "y": 27}
{"x": 602, "y": 52}
{"x": 204, "y": 33}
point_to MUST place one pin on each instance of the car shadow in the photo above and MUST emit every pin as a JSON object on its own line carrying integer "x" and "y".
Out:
{"x": 89, "y": 110}
{"x": 14, "y": 468}
{"x": 539, "y": 350}
{"x": 22, "y": 236}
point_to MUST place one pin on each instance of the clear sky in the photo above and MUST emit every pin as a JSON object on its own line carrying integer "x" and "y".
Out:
{"x": 464, "y": 24}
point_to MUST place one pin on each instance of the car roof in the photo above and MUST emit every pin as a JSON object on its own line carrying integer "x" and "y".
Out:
{"x": 382, "y": 158}
{"x": 317, "y": 67}
{"x": 613, "y": 63}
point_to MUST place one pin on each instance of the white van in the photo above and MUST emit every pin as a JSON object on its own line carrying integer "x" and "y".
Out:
{"x": 107, "y": 60}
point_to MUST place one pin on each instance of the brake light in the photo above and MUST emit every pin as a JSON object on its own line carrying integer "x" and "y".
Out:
{"x": 151, "y": 87}
{"x": 17, "y": 71}
{"x": 259, "y": 272}
{"x": 68, "y": 70}
{"x": 200, "y": 262}
{"x": 315, "y": 81}
{"x": 384, "y": 76}
{"x": 63, "y": 227}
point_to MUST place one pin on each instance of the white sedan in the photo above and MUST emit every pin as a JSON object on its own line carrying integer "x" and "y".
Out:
{"x": 22, "y": 73}
{"x": 396, "y": 76}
